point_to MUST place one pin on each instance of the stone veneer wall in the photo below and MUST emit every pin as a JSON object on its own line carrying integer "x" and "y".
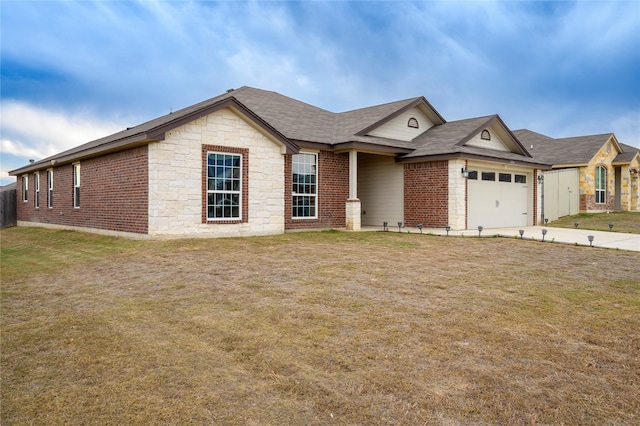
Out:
{"x": 457, "y": 195}
{"x": 604, "y": 157}
{"x": 426, "y": 194}
{"x": 176, "y": 173}
{"x": 113, "y": 195}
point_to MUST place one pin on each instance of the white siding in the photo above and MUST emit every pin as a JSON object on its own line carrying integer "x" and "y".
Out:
{"x": 495, "y": 143}
{"x": 561, "y": 193}
{"x": 397, "y": 127}
{"x": 175, "y": 178}
{"x": 380, "y": 189}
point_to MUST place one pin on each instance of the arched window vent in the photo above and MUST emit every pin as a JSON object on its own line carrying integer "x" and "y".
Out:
{"x": 413, "y": 123}
{"x": 485, "y": 135}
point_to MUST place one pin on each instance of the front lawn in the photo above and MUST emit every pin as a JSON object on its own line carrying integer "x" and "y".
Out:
{"x": 622, "y": 221}
{"x": 316, "y": 328}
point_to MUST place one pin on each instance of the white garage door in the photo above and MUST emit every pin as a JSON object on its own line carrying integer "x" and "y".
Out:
{"x": 497, "y": 199}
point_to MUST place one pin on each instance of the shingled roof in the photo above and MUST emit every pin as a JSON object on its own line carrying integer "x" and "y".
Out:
{"x": 294, "y": 123}
{"x": 577, "y": 150}
{"x": 448, "y": 140}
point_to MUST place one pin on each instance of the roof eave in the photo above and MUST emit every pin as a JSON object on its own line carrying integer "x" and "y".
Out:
{"x": 467, "y": 156}
{"x": 107, "y": 148}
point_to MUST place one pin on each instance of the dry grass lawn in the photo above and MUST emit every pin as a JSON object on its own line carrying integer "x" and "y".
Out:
{"x": 317, "y": 328}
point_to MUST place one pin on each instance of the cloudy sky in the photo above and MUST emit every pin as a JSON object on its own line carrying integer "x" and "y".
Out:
{"x": 75, "y": 71}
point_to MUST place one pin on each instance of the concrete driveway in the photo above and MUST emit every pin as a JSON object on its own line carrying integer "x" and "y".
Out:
{"x": 603, "y": 239}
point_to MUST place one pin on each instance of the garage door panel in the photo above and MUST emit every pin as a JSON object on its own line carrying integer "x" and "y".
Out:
{"x": 495, "y": 204}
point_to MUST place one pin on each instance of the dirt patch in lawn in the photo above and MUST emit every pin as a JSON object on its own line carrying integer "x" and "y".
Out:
{"x": 317, "y": 328}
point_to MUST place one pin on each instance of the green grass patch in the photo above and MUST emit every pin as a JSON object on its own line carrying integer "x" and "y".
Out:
{"x": 628, "y": 222}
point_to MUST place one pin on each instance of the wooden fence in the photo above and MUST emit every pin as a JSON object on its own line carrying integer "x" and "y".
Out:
{"x": 8, "y": 206}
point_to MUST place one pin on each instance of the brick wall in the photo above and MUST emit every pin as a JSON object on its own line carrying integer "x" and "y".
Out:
{"x": 113, "y": 194}
{"x": 333, "y": 191}
{"x": 426, "y": 194}
{"x": 588, "y": 203}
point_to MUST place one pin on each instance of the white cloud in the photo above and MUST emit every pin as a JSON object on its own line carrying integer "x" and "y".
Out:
{"x": 32, "y": 132}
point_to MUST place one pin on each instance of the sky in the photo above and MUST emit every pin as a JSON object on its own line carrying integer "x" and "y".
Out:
{"x": 72, "y": 72}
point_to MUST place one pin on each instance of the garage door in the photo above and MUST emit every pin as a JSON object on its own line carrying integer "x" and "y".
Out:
{"x": 496, "y": 199}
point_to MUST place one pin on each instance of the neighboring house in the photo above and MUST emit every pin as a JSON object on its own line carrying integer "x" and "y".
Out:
{"x": 603, "y": 171}
{"x": 252, "y": 162}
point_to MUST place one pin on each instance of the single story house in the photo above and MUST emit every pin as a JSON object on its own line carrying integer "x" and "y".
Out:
{"x": 254, "y": 162}
{"x": 592, "y": 173}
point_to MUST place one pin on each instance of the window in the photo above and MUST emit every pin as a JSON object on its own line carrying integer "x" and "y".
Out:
{"x": 520, "y": 178}
{"x": 50, "y": 188}
{"x": 473, "y": 175}
{"x": 413, "y": 123}
{"x": 489, "y": 176}
{"x": 504, "y": 177}
{"x": 36, "y": 184}
{"x": 25, "y": 188}
{"x": 601, "y": 185}
{"x": 485, "y": 135}
{"x": 224, "y": 186}
{"x": 305, "y": 188}
{"x": 76, "y": 185}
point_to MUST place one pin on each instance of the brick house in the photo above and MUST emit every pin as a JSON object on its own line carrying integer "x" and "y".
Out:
{"x": 605, "y": 171}
{"x": 254, "y": 162}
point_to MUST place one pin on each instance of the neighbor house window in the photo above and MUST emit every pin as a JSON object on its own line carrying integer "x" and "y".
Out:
{"x": 50, "y": 188}
{"x": 25, "y": 188}
{"x": 76, "y": 185}
{"x": 305, "y": 187}
{"x": 36, "y": 183}
{"x": 601, "y": 185}
{"x": 224, "y": 186}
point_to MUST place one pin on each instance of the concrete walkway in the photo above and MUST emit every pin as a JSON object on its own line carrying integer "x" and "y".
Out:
{"x": 603, "y": 239}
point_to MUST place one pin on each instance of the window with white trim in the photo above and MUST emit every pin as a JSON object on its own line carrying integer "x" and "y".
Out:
{"x": 601, "y": 185}
{"x": 305, "y": 186}
{"x": 36, "y": 184}
{"x": 25, "y": 188}
{"x": 76, "y": 185}
{"x": 224, "y": 186}
{"x": 50, "y": 188}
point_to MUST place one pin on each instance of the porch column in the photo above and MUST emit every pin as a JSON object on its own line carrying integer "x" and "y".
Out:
{"x": 353, "y": 207}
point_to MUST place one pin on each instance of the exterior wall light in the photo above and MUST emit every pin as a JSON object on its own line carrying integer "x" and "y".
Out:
{"x": 521, "y": 232}
{"x": 447, "y": 228}
{"x": 590, "y": 238}
{"x": 544, "y": 232}
{"x": 480, "y": 228}
{"x": 465, "y": 172}
{"x": 540, "y": 178}
{"x": 420, "y": 227}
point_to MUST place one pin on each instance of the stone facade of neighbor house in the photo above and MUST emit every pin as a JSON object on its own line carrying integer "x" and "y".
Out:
{"x": 603, "y": 158}
{"x": 606, "y": 168}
